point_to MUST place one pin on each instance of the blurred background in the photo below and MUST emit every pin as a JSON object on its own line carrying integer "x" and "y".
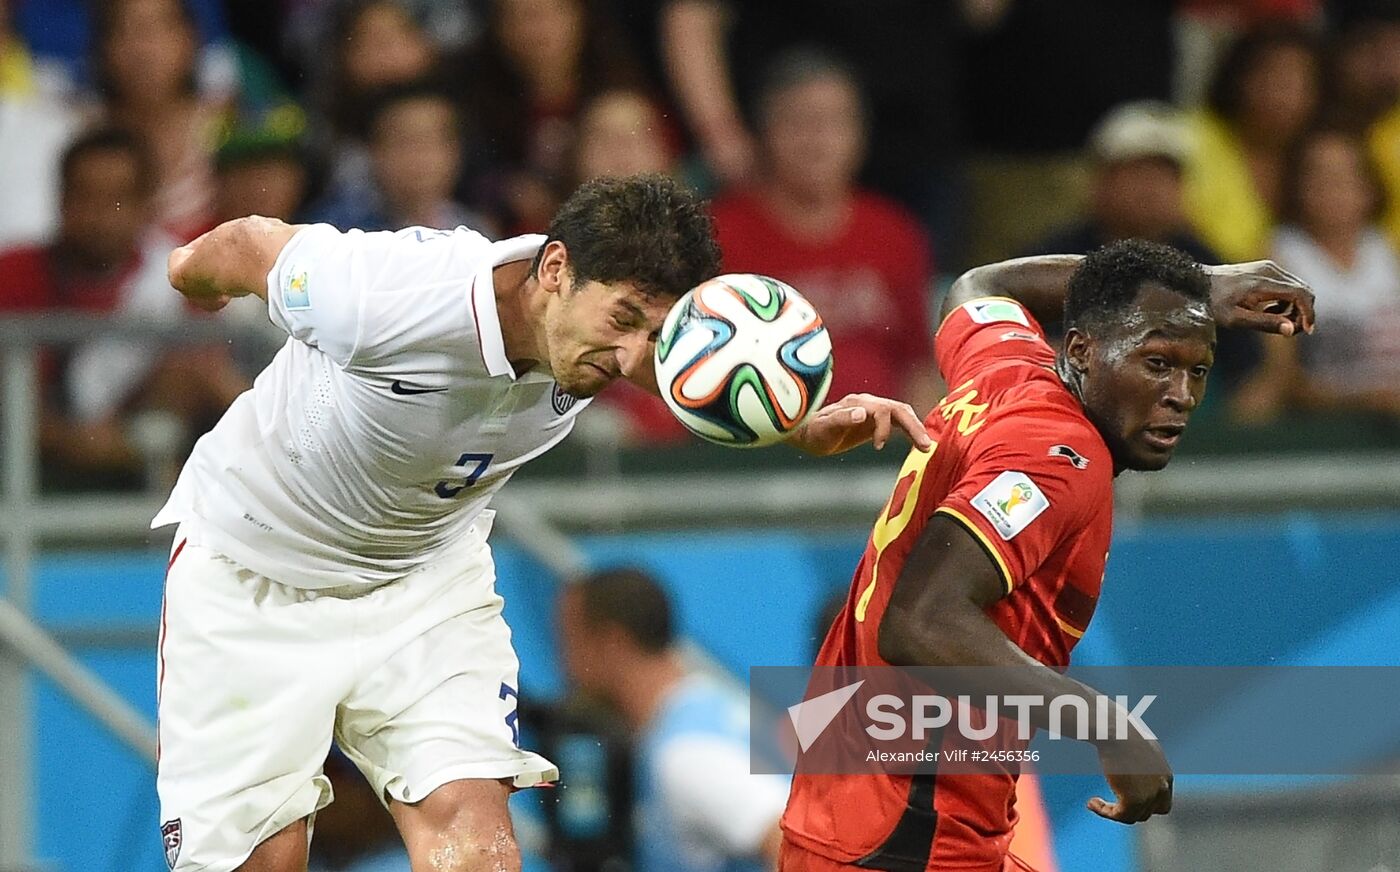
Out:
{"x": 865, "y": 153}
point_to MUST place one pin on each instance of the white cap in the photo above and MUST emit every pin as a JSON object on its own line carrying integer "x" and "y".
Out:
{"x": 1137, "y": 130}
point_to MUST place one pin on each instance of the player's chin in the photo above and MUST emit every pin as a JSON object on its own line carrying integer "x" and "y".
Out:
{"x": 585, "y": 382}
{"x": 1149, "y": 458}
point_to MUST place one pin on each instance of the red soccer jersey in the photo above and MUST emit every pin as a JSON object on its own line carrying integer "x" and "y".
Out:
{"x": 1017, "y": 464}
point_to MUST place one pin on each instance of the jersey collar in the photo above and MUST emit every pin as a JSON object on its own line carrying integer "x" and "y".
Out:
{"x": 483, "y": 301}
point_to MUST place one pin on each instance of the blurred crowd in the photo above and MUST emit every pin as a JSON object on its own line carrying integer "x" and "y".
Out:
{"x": 864, "y": 153}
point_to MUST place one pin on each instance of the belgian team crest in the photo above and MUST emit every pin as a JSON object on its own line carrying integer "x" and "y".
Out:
{"x": 561, "y": 400}
{"x": 172, "y": 836}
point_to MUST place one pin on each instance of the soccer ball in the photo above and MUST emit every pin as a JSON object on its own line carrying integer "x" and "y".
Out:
{"x": 743, "y": 360}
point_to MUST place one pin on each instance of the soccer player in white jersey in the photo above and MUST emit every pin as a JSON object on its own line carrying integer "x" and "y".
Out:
{"x": 330, "y": 575}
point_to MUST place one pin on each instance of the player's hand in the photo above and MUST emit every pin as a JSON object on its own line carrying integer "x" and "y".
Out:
{"x": 855, "y": 420}
{"x": 1260, "y": 295}
{"x": 183, "y": 270}
{"x": 1140, "y": 777}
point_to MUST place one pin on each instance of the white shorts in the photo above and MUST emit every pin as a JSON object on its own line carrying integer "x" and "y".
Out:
{"x": 416, "y": 681}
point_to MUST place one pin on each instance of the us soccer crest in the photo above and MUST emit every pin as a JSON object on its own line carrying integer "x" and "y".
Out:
{"x": 561, "y": 400}
{"x": 172, "y": 836}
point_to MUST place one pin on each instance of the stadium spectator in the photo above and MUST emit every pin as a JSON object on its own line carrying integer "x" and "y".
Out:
{"x": 699, "y": 809}
{"x": 905, "y": 53}
{"x": 145, "y": 53}
{"x": 1029, "y": 109}
{"x": 415, "y": 149}
{"x": 1365, "y": 79}
{"x": 60, "y": 33}
{"x": 861, "y": 259}
{"x": 1138, "y": 153}
{"x": 452, "y": 26}
{"x": 1263, "y": 95}
{"x": 1206, "y": 28}
{"x": 1331, "y": 241}
{"x": 105, "y": 260}
{"x": 622, "y": 133}
{"x": 34, "y": 128}
{"x": 257, "y": 176}
{"x": 379, "y": 45}
{"x": 538, "y": 63}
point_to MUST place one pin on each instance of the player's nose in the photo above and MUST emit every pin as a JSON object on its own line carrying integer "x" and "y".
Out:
{"x": 633, "y": 354}
{"x": 1179, "y": 395}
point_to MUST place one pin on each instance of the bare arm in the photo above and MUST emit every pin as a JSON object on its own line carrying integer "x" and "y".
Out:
{"x": 232, "y": 260}
{"x": 692, "y": 45}
{"x": 936, "y": 617}
{"x": 1038, "y": 283}
{"x": 1259, "y": 295}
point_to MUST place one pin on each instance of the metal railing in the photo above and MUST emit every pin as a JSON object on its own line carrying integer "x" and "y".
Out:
{"x": 534, "y": 515}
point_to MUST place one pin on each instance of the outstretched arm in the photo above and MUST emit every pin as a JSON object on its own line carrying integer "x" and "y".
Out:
{"x": 232, "y": 260}
{"x": 937, "y": 617}
{"x": 1259, "y": 295}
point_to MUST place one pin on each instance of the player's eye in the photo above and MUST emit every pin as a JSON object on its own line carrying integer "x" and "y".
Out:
{"x": 1200, "y": 371}
{"x": 1158, "y": 364}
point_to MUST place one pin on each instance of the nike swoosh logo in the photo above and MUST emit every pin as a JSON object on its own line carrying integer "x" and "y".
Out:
{"x": 399, "y": 388}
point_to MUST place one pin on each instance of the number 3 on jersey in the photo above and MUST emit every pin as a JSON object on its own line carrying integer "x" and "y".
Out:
{"x": 474, "y": 464}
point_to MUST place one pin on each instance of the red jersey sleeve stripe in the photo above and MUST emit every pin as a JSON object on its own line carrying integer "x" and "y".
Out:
{"x": 987, "y": 543}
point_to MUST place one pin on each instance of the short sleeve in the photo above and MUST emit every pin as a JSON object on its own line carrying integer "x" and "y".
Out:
{"x": 1033, "y": 482}
{"x": 333, "y": 290}
{"x": 985, "y": 331}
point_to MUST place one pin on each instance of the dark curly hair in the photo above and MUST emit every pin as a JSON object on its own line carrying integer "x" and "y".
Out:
{"x": 1108, "y": 281}
{"x": 646, "y": 229}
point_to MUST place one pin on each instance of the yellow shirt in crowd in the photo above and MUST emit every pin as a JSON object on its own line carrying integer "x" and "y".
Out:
{"x": 1221, "y": 200}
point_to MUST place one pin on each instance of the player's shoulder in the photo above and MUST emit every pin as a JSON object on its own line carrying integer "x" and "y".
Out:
{"x": 1040, "y": 421}
{"x": 979, "y": 312}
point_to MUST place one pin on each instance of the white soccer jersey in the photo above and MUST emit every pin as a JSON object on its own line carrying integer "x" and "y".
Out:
{"x": 387, "y": 421}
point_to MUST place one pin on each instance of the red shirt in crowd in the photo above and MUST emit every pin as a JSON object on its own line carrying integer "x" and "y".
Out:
{"x": 870, "y": 281}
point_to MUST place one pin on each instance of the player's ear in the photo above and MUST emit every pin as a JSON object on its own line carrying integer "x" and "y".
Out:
{"x": 1077, "y": 347}
{"x": 553, "y": 271}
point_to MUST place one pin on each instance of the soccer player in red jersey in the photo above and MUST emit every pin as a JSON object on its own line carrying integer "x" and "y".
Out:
{"x": 992, "y": 547}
